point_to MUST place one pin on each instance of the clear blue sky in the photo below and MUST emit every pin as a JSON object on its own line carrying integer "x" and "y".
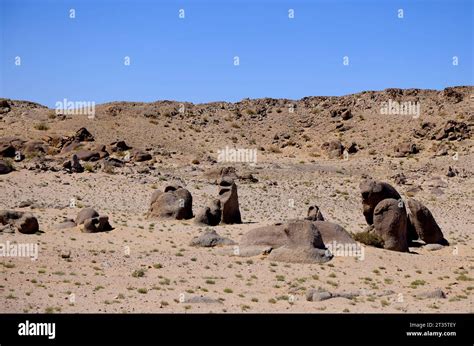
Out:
{"x": 191, "y": 59}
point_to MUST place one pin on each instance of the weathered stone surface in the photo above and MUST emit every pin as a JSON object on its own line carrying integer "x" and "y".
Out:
{"x": 210, "y": 238}
{"x": 175, "y": 203}
{"x": 372, "y": 193}
{"x": 84, "y": 214}
{"x": 97, "y": 224}
{"x": 390, "y": 223}
{"x": 314, "y": 214}
{"x": 229, "y": 200}
{"x": 424, "y": 224}
{"x": 210, "y": 215}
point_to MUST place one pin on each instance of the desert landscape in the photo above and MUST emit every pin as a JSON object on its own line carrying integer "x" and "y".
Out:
{"x": 240, "y": 207}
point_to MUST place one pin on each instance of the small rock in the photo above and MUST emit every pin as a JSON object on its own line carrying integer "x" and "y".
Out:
{"x": 433, "y": 247}
{"x": 436, "y": 294}
{"x": 210, "y": 238}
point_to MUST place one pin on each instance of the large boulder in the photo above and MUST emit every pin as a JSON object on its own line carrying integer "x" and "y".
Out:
{"x": 174, "y": 202}
{"x": 210, "y": 238}
{"x": 372, "y": 193}
{"x": 273, "y": 235}
{"x": 424, "y": 224}
{"x": 97, "y": 224}
{"x": 297, "y": 241}
{"x": 23, "y": 222}
{"x": 229, "y": 200}
{"x": 303, "y": 244}
{"x": 27, "y": 224}
{"x": 390, "y": 223}
{"x": 210, "y": 215}
{"x": 332, "y": 233}
{"x": 84, "y": 214}
{"x": 5, "y": 167}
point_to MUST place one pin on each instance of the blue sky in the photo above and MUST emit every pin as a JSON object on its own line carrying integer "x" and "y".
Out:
{"x": 191, "y": 59}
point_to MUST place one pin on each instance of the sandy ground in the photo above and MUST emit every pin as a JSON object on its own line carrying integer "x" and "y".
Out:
{"x": 147, "y": 265}
{"x": 98, "y": 276}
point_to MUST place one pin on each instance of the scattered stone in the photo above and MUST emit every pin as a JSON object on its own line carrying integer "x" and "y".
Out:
{"x": 83, "y": 135}
{"x": 300, "y": 255}
{"x": 318, "y": 295}
{"x": 314, "y": 295}
{"x": 88, "y": 155}
{"x": 452, "y": 172}
{"x": 113, "y": 162}
{"x": 344, "y": 113}
{"x": 454, "y": 130}
{"x": 405, "y": 149}
{"x": 140, "y": 155}
{"x": 66, "y": 254}
{"x": 210, "y": 238}
{"x": 437, "y": 191}
{"x": 70, "y": 146}
{"x": 246, "y": 251}
{"x": 436, "y": 294}
{"x": 400, "y": 179}
{"x": 353, "y": 148}
{"x": 73, "y": 165}
{"x": 248, "y": 177}
{"x": 433, "y": 247}
{"x": 201, "y": 300}
{"x": 334, "y": 149}
{"x": 119, "y": 146}
{"x": 228, "y": 172}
